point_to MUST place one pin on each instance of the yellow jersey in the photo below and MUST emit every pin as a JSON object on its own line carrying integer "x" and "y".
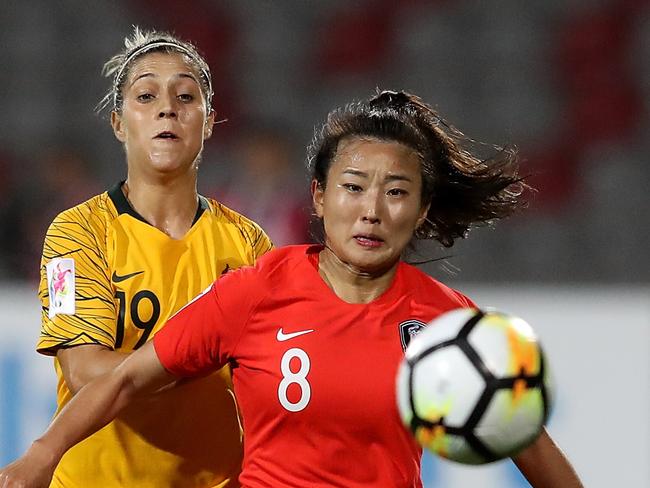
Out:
{"x": 110, "y": 278}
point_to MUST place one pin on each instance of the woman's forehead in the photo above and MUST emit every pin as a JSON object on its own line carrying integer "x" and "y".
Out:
{"x": 162, "y": 62}
{"x": 369, "y": 150}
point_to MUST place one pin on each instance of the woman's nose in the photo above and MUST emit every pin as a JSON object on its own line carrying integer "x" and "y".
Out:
{"x": 371, "y": 208}
{"x": 167, "y": 108}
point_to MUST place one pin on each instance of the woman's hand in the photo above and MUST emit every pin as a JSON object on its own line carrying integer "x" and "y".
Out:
{"x": 33, "y": 470}
{"x": 94, "y": 406}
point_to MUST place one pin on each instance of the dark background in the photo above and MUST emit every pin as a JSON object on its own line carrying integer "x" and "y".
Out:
{"x": 565, "y": 81}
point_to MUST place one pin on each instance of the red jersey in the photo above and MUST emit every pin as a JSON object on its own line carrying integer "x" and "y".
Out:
{"x": 314, "y": 376}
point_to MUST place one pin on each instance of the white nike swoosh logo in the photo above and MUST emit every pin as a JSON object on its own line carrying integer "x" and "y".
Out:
{"x": 285, "y": 337}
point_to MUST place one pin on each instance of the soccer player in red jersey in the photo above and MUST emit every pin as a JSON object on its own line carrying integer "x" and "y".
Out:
{"x": 315, "y": 333}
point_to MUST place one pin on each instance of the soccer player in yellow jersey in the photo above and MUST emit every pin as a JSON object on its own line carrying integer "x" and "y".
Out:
{"x": 115, "y": 267}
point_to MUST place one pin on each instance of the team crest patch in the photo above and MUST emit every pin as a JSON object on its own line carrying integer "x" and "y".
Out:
{"x": 409, "y": 329}
{"x": 60, "y": 284}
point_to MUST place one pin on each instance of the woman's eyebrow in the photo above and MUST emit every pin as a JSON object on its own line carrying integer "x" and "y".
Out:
{"x": 154, "y": 75}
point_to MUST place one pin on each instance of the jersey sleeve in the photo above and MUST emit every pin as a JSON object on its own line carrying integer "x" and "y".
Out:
{"x": 75, "y": 289}
{"x": 251, "y": 235}
{"x": 203, "y": 335}
{"x": 261, "y": 242}
{"x": 464, "y": 300}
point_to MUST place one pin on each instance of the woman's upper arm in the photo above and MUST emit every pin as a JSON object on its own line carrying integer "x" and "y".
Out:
{"x": 144, "y": 371}
{"x": 545, "y": 466}
{"x": 81, "y": 364}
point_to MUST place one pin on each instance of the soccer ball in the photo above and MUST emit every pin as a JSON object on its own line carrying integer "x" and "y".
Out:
{"x": 474, "y": 386}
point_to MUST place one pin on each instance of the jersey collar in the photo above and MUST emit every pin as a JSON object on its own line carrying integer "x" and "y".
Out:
{"x": 123, "y": 207}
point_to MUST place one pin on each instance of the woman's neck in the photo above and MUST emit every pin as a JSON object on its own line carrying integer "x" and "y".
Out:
{"x": 168, "y": 206}
{"x": 351, "y": 284}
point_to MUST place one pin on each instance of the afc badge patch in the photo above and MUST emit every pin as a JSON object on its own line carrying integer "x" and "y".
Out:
{"x": 409, "y": 329}
{"x": 60, "y": 284}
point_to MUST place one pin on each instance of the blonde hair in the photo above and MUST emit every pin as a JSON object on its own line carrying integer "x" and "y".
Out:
{"x": 144, "y": 42}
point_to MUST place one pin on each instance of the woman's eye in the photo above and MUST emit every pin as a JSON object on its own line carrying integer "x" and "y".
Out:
{"x": 395, "y": 192}
{"x": 351, "y": 187}
{"x": 145, "y": 97}
{"x": 185, "y": 97}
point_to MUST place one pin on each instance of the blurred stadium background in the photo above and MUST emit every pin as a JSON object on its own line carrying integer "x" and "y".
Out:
{"x": 567, "y": 81}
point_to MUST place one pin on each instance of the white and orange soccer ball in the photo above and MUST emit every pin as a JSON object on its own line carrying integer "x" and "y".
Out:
{"x": 474, "y": 386}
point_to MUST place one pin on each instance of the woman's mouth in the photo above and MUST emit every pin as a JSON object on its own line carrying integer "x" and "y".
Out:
{"x": 369, "y": 241}
{"x": 167, "y": 135}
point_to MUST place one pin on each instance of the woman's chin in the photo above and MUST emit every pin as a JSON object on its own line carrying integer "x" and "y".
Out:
{"x": 373, "y": 265}
{"x": 170, "y": 166}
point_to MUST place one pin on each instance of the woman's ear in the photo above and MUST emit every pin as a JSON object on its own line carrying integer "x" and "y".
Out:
{"x": 118, "y": 126}
{"x": 317, "y": 197}
{"x": 424, "y": 211}
{"x": 209, "y": 124}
